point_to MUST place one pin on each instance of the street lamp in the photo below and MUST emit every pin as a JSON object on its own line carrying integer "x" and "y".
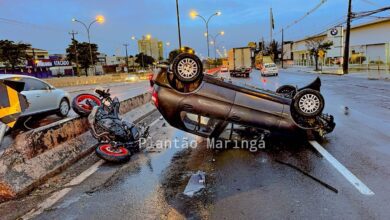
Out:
{"x": 99, "y": 19}
{"x": 221, "y": 33}
{"x": 194, "y": 14}
{"x": 139, "y": 51}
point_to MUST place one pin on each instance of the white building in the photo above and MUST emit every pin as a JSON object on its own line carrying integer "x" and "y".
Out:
{"x": 369, "y": 45}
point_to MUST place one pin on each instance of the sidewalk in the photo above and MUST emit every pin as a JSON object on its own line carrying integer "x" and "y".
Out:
{"x": 368, "y": 74}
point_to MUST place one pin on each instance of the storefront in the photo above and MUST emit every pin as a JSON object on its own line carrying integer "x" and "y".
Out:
{"x": 43, "y": 68}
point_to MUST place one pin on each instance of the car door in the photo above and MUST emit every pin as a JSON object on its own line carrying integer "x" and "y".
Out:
{"x": 39, "y": 95}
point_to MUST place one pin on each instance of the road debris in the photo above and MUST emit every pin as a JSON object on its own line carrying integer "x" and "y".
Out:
{"x": 195, "y": 184}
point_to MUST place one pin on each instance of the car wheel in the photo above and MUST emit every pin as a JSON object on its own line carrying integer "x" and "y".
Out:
{"x": 64, "y": 108}
{"x": 287, "y": 89}
{"x": 309, "y": 103}
{"x": 187, "y": 67}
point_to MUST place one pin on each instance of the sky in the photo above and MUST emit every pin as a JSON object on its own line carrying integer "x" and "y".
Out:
{"x": 46, "y": 23}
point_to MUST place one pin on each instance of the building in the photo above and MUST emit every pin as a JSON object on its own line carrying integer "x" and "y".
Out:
{"x": 151, "y": 47}
{"x": 369, "y": 45}
{"x": 37, "y": 54}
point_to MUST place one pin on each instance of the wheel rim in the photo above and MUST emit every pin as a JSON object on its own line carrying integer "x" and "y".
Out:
{"x": 309, "y": 103}
{"x": 109, "y": 150}
{"x": 82, "y": 101}
{"x": 187, "y": 68}
{"x": 64, "y": 107}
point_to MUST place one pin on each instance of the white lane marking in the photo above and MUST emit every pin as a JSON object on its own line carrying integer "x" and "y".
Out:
{"x": 84, "y": 175}
{"x": 49, "y": 202}
{"x": 359, "y": 185}
{"x": 46, "y": 204}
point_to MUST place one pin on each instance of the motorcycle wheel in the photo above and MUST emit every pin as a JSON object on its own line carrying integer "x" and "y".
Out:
{"x": 110, "y": 154}
{"x": 81, "y": 106}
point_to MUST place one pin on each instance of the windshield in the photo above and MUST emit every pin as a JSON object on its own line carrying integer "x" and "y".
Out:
{"x": 270, "y": 65}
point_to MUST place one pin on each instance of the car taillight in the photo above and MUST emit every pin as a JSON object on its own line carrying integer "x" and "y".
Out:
{"x": 155, "y": 98}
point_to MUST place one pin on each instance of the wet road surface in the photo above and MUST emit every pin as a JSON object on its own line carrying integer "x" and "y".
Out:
{"x": 258, "y": 186}
{"x": 121, "y": 90}
{"x": 241, "y": 184}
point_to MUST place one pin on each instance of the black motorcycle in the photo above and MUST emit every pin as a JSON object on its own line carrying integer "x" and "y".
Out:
{"x": 118, "y": 139}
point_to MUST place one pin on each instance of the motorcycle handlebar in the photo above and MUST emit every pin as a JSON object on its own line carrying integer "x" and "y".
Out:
{"x": 103, "y": 93}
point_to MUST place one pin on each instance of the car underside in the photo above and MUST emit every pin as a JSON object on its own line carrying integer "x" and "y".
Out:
{"x": 212, "y": 107}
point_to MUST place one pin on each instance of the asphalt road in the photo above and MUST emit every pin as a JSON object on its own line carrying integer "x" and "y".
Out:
{"x": 121, "y": 90}
{"x": 258, "y": 186}
{"x": 241, "y": 184}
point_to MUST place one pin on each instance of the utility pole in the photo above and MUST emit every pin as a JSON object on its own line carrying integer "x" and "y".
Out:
{"x": 282, "y": 48}
{"x": 271, "y": 23}
{"x": 178, "y": 22}
{"x": 73, "y": 33}
{"x": 127, "y": 57}
{"x": 347, "y": 38}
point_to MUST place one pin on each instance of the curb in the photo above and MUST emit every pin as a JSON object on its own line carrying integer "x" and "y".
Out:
{"x": 41, "y": 153}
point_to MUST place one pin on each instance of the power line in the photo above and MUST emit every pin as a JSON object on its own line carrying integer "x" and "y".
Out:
{"x": 303, "y": 17}
{"x": 338, "y": 22}
{"x": 370, "y": 2}
{"x": 369, "y": 13}
{"x": 31, "y": 25}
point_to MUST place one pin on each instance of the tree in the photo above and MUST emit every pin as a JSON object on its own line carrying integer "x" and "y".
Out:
{"x": 144, "y": 60}
{"x": 273, "y": 49}
{"x": 173, "y": 54}
{"x": 83, "y": 53}
{"x": 315, "y": 45}
{"x": 13, "y": 54}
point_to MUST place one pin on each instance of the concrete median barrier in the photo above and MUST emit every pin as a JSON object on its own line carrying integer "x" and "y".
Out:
{"x": 41, "y": 153}
{"x": 92, "y": 80}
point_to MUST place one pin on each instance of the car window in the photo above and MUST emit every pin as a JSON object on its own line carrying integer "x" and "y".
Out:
{"x": 239, "y": 132}
{"x": 198, "y": 123}
{"x": 32, "y": 84}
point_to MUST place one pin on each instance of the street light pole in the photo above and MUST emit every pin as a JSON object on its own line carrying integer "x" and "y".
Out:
{"x": 99, "y": 19}
{"x": 207, "y": 21}
{"x": 127, "y": 57}
{"x": 221, "y": 33}
{"x": 178, "y": 21}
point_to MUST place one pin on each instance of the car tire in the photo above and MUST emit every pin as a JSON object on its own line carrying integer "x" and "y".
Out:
{"x": 308, "y": 103}
{"x": 107, "y": 153}
{"x": 81, "y": 109}
{"x": 64, "y": 108}
{"x": 287, "y": 89}
{"x": 187, "y": 67}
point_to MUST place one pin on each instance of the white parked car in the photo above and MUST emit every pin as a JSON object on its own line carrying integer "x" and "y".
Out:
{"x": 269, "y": 69}
{"x": 41, "y": 96}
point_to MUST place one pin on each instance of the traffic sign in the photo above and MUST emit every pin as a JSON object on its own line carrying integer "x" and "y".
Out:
{"x": 321, "y": 53}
